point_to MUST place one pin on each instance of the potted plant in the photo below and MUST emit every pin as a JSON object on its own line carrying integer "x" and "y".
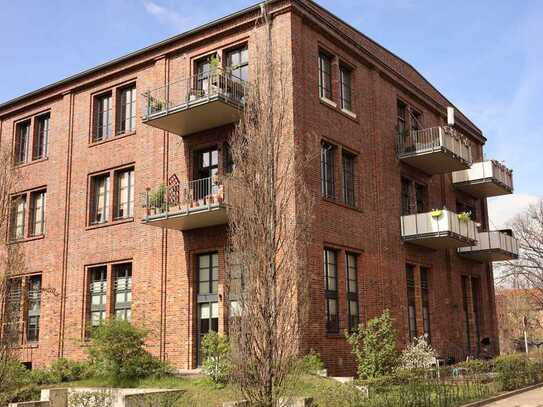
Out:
{"x": 464, "y": 216}
{"x": 157, "y": 202}
{"x": 436, "y": 213}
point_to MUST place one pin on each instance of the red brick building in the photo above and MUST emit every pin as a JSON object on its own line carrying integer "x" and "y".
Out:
{"x": 92, "y": 145}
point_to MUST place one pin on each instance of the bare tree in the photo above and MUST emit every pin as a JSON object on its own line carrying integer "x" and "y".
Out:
{"x": 11, "y": 263}
{"x": 270, "y": 210}
{"x": 527, "y": 271}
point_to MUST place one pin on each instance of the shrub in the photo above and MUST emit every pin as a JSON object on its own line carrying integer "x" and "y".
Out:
{"x": 515, "y": 371}
{"x": 311, "y": 364}
{"x": 100, "y": 398}
{"x": 475, "y": 366}
{"x": 418, "y": 355}
{"x": 374, "y": 347}
{"x": 342, "y": 395}
{"x": 66, "y": 370}
{"x": 216, "y": 351}
{"x": 117, "y": 352}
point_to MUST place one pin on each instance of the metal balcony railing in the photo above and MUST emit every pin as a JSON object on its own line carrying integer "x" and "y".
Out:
{"x": 502, "y": 242}
{"x": 485, "y": 171}
{"x": 444, "y": 225}
{"x": 435, "y": 139}
{"x": 188, "y": 197}
{"x": 195, "y": 90}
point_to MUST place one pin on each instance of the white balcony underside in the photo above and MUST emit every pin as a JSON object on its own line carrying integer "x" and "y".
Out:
{"x": 193, "y": 117}
{"x": 489, "y": 255}
{"x": 193, "y": 218}
{"x": 491, "y": 246}
{"x": 484, "y": 179}
{"x": 434, "y": 162}
{"x": 483, "y": 188}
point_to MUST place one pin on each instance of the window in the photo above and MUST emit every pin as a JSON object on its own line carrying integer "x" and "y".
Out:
{"x": 331, "y": 292}
{"x": 476, "y": 301}
{"x": 127, "y": 110}
{"x": 327, "y": 170}
{"x": 465, "y": 306}
{"x": 421, "y": 193}
{"x": 352, "y": 291}
{"x": 416, "y": 120}
{"x": 411, "y": 301}
{"x": 237, "y": 62}
{"x": 401, "y": 119}
{"x": 37, "y": 213}
{"x": 124, "y": 194}
{"x": 237, "y": 284}
{"x": 203, "y": 72}
{"x": 207, "y": 169}
{"x": 22, "y": 135}
{"x": 208, "y": 273}
{"x": 349, "y": 179}
{"x": 100, "y": 199}
{"x": 346, "y": 88}
{"x": 325, "y": 76}
{"x": 123, "y": 291}
{"x": 34, "y": 309}
{"x": 228, "y": 159}
{"x": 425, "y": 297}
{"x": 102, "y": 117}
{"x": 12, "y": 311}
{"x": 41, "y": 137}
{"x": 98, "y": 295}
{"x": 406, "y": 196}
{"x": 17, "y": 221}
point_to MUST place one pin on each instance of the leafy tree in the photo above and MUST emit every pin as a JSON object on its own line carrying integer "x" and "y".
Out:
{"x": 374, "y": 347}
{"x": 418, "y": 355}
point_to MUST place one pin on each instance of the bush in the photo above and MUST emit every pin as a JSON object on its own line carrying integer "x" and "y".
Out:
{"x": 311, "y": 364}
{"x": 117, "y": 352}
{"x": 374, "y": 347}
{"x": 66, "y": 370}
{"x": 475, "y": 366}
{"x": 216, "y": 351}
{"x": 515, "y": 371}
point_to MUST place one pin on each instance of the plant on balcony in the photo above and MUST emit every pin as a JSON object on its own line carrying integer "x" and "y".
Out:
{"x": 436, "y": 213}
{"x": 464, "y": 216}
{"x": 157, "y": 202}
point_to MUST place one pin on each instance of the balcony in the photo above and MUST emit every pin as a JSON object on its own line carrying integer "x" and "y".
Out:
{"x": 497, "y": 245}
{"x": 197, "y": 103}
{"x": 484, "y": 179}
{"x": 436, "y": 150}
{"x": 196, "y": 204}
{"x": 439, "y": 229}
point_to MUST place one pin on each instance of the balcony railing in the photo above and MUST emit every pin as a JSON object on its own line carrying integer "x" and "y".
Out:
{"x": 497, "y": 245}
{"x": 197, "y": 103}
{"x": 484, "y": 179}
{"x": 436, "y": 150}
{"x": 195, "y": 204}
{"x": 438, "y": 229}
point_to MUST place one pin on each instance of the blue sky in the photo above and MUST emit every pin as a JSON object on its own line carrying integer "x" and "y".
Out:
{"x": 486, "y": 56}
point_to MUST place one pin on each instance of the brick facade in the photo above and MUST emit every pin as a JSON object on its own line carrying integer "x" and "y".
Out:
{"x": 164, "y": 260}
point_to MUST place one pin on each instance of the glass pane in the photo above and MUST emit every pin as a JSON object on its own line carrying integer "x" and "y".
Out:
{"x": 203, "y": 288}
{"x": 204, "y": 261}
{"x": 204, "y": 311}
{"x": 214, "y": 310}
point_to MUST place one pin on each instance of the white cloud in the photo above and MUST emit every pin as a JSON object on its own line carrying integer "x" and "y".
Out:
{"x": 167, "y": 16}
{"x": 502, "y": 209}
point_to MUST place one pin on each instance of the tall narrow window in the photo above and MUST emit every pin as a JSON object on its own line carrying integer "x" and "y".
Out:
{"x": 331, "y": 291}
{"x": 465, "y": 306}
{"x": 237, "y": 62}
{"x": 22, "y": 135}
{"x": 352, "y": 291}
{"x": 421, "y": 192}
{"x": 12, "y": 328}
{"x": 41, "y": 136}
{"x": 346, "y": 88}
{"x": 34, "y": 309}
{"x": 203, "y": 72}
{"x": 401, "y": 119}
{"x": 325, "y": 76}
{"x": 425, "y": 297}
{"x": 349, "y": 179}
{"x": 100, "y": 199}
{"x": 17, "y": 221}
{"x": 102, "y": 117}
{"x": 37, "y": 213}
{"x": 124, "y": 194}
{"x": 127, "y": 110}
{"x": 123, "y": 291}
{"x": 411, "y": 301}
{"x": 327, "y": 170}
{"x": 208, "y": 308}
{"x": 98, "y": 295}
{"x": 476, "y": 301}
{"x": 406, "y": 196}
{"x": 416, "y": 120}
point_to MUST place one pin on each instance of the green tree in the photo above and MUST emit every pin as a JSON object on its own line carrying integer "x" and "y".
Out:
{"x": 216, "y": 349}
{"x": 374, "y": 347}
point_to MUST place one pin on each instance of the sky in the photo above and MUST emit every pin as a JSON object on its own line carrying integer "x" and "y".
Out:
{"x": 486, "y": 56}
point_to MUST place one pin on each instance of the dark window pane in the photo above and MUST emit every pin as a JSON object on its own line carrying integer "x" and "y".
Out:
{"x": 325, "y": 77}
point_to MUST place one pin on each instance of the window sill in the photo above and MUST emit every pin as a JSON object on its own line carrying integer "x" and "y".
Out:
{"x": 109, "y": 223}
{"x": 342, "y": 204}
{"x": 28, "y": 345}
{"x": 333, "y": 105}
{"x": 26, "y": 164}
{"x": 26, "y": 239}
{"x": 328, "y": 102}
{"x": 334, "y": 335}
{"x": 112, "y": 138}
{"x": 349, "y": 113}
